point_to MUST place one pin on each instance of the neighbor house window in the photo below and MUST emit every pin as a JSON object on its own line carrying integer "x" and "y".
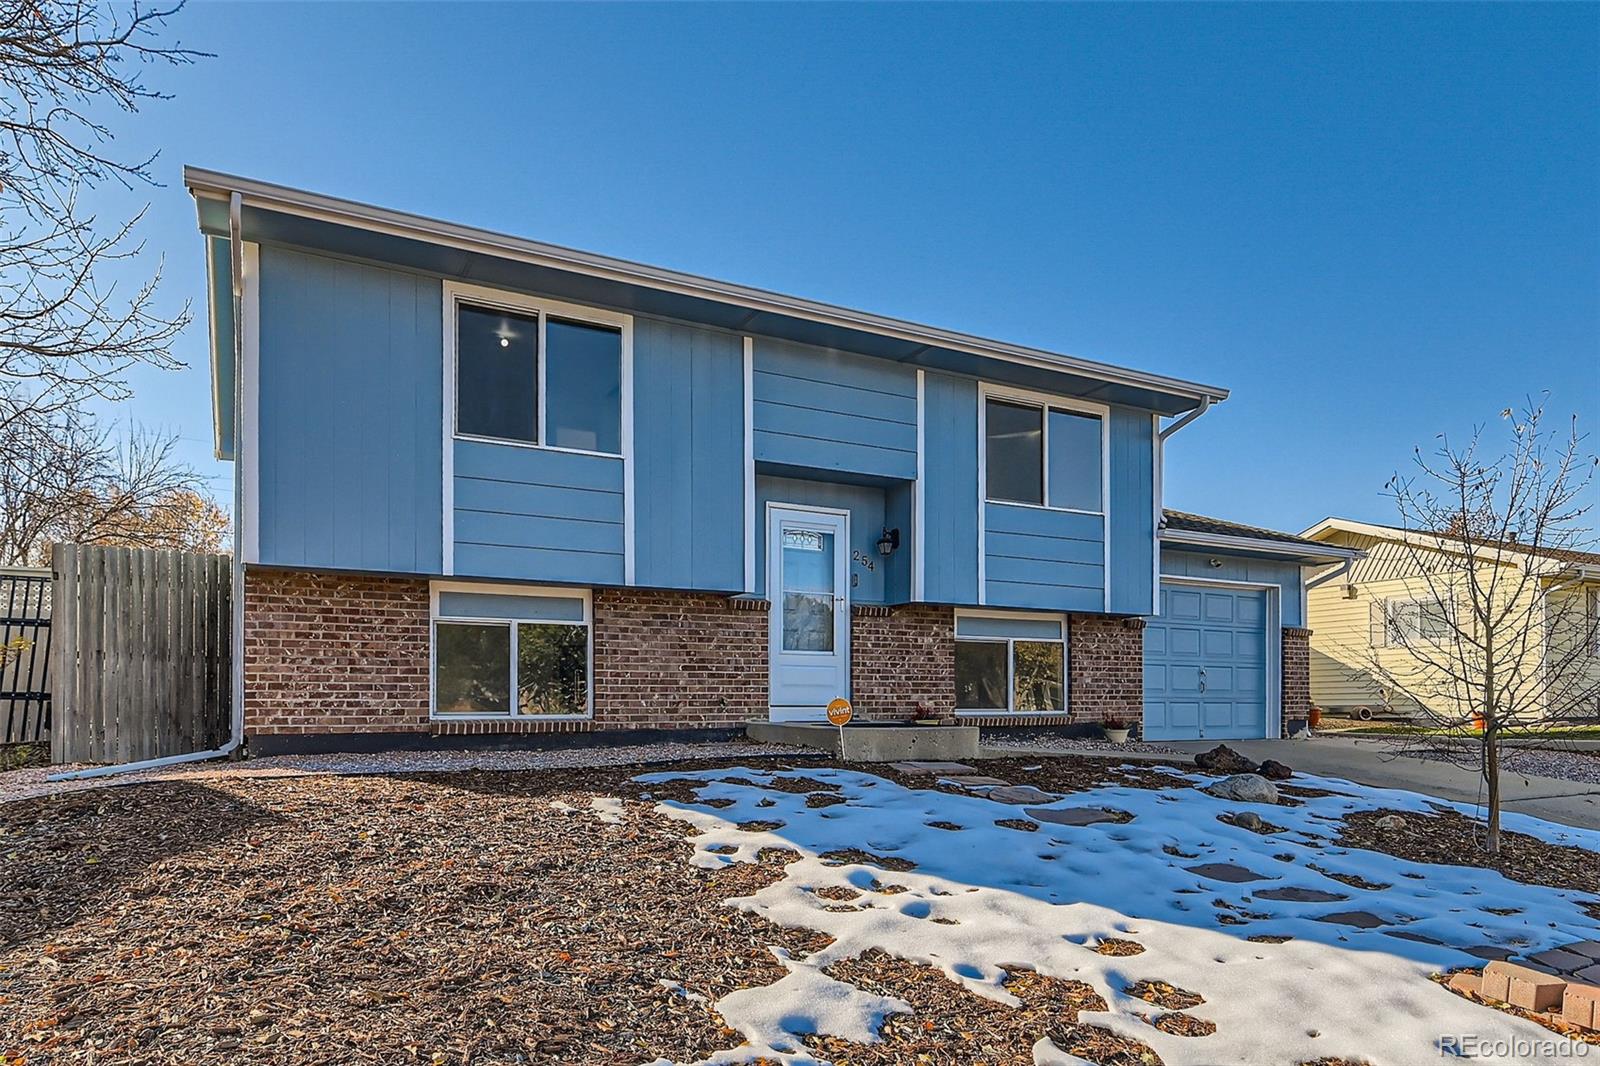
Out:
{"x": 1043, "y": 455}
{"x": 1419, "y": 621}
{"x": 533, "y": 376}
{"x": 1010, "y": 663}
{"x": 512, "y": 654}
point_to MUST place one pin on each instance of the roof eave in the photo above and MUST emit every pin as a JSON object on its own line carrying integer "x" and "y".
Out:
{"x": 209, "y": 184}
{"x": 1318, "y": 553}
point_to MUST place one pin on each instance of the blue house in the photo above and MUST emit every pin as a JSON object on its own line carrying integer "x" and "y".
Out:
{"x": 490, "y": 486}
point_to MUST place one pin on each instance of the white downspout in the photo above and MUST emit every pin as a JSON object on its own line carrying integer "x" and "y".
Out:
{"x": 236, "y": 727}
{"x": 1341, "y": 571}
{"x": 1190, "y": 416}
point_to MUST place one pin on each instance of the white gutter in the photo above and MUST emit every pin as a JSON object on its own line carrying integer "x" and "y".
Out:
{"x": 267, "y": 196}
{"x": 1225, "y": 541}
{"x": 236, "y": 726}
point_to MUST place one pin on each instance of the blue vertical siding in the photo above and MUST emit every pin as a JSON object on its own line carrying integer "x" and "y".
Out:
{"x": 535, "y": 514}
{"x": 349, "y": 407}
{"x": 834, "y": 411}
{"x": 688, "y": 449}
{"x": 866, "y": 506}
{"x": 1292, "y": 604}
{"x": 1044, "y": 559}
{"x": 1133, "y": 532}
{"x": 950, "y": 488}
{"x": 899, "y": 512}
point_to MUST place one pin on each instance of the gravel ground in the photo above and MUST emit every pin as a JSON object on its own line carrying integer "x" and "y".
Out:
{"x": 1580, "y": 766}
{"x": 30, "y": 782}
{"x": 1047, "y": 742}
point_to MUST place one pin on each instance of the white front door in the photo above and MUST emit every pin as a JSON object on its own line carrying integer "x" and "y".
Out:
{"x": 808, "y": 570}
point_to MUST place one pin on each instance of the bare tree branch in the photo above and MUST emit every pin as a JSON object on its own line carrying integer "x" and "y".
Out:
{"x": 1497, "y": 631}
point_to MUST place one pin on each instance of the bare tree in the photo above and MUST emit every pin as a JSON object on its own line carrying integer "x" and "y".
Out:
{"x": 68, "y": 336}
{"x": 82, "y": 485}
{"x": 1497, "y": 633}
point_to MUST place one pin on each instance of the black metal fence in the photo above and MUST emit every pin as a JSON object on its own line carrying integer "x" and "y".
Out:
{"x": 24, "y": 655}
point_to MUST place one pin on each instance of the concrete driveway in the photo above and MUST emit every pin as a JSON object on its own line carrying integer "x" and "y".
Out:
{"x": 1380, "y": 764}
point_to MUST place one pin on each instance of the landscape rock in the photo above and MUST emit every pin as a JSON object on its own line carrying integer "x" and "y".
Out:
{"x": 1390, "y": 823}
{"x": 1273, "y": 770}
{"x": 1247, "y": 820}
{"x": 1245, "y": 788}
{"x": 1019, "y": 794}
{"x": 1224, "y": 760}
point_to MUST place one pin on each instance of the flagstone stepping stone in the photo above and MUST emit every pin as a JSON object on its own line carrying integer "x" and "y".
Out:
{"x": 1300, "y": 895}
{"x": 1076, "y": 815}
{"x": 975, "y": 783}
{"x": 1490, "y": 952}
{"x": 932, "y": 767}
{"x": 1356, "y": 919}
{"x": 1018, "y": 794}
{"x": 1420, "y": 938}
{"x": 1227, "y": 871}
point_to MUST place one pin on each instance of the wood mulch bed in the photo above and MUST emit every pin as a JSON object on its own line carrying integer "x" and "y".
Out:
{"x": 441, "y": 918}
{"x": 1451, "y": 838}
{"x": 953, "y": 1025}
{"x": 432, "y": 918}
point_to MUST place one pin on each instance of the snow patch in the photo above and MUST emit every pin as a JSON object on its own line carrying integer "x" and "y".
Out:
{"x": 984, "y": 898}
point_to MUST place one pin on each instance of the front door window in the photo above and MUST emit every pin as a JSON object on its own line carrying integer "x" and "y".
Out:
{"x": 808, "y": 579}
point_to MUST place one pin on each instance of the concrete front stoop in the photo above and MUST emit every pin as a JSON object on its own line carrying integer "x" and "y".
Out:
{"x": 873, "y": 741}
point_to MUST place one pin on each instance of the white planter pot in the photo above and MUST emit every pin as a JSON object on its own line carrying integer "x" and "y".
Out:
{"x": 1117, "y": 736}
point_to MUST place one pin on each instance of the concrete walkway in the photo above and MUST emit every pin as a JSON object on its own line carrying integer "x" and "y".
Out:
{"x": 1378, "y": 763}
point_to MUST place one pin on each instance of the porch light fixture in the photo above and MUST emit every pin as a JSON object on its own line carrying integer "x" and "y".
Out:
{"x": 889, "y": 541}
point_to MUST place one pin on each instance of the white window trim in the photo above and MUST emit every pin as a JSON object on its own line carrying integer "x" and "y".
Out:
{"x": 455, "y": 293}
{"x": 513, "y": 715}
{"x": 1009, "y": 710}
{"x": 1045, "y": 400}
{"x": 1591, "y": 618}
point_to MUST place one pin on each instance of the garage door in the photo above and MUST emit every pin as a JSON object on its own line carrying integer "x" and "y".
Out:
{"x": 1205, "y": 664}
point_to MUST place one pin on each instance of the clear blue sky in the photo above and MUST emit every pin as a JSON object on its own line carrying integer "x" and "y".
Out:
{"x": 1373, "y": 223}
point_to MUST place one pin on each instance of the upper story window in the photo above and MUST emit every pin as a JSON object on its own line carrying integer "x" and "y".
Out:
{"x": 539, "y": 374}
{"x": 1044, "y": 454}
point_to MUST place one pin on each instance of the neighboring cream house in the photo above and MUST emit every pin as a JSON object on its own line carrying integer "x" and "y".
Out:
{"x": 1361, "y": 617}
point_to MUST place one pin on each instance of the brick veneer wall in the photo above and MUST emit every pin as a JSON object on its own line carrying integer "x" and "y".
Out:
{"x": 1296, "y": 674}
{"x": 902, "y": 656}
{"x": 333, "y": 653}
{"x": 1105, "y": 668}
{"x": 677, "y": 660}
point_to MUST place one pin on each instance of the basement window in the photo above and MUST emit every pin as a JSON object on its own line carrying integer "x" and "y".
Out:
{"x": 510, "y": 652}
{"x": 1010, "y": 663}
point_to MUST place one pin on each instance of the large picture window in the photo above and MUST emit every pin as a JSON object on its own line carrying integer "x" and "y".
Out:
{"x": 1043, "y": 455}
{"x": 534, "y": 376}
{"x": 1010, "y": 663}
{"x": 513, "y": 654}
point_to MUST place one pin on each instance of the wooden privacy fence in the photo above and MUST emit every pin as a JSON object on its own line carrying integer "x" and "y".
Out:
{"x": 142, "y": 642}
{"x": 24, "y": 655}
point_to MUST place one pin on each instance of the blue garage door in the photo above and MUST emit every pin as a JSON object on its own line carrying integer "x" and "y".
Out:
{"x": 1205, "y": 665}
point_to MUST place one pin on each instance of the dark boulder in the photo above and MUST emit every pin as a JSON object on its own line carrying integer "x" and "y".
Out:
{"x": 1273, "y": 770}
{"x": 1224, "y": 760}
